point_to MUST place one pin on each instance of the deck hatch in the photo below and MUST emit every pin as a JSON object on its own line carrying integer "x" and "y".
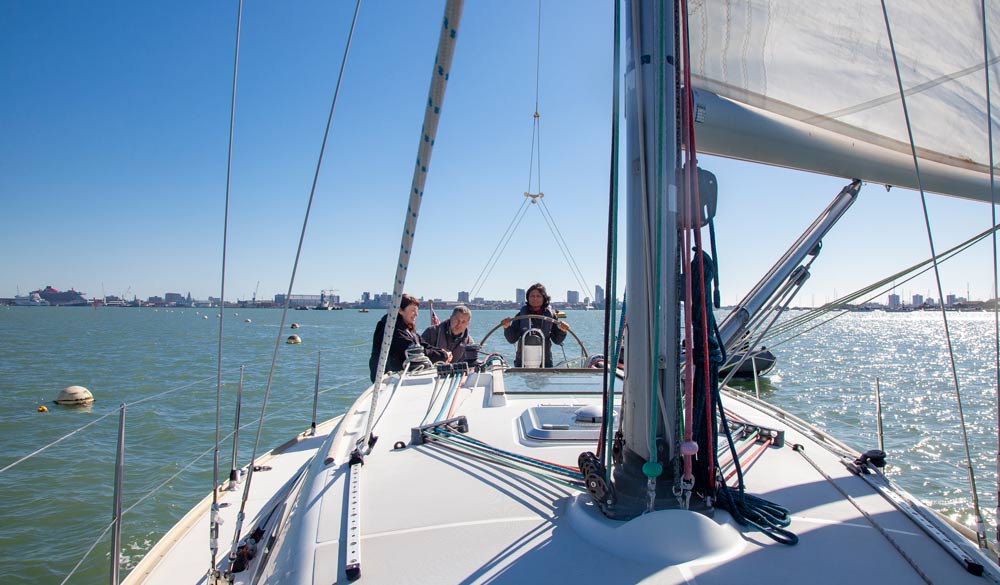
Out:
{"x": 586, "y": 381}
{"x": 559, "y": 422}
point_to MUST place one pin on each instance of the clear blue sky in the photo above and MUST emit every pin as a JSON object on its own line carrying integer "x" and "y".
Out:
{"x": 114, "y": 122}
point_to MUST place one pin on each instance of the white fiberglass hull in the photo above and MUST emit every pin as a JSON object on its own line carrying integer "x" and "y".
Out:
{"x": 431, "y": 515}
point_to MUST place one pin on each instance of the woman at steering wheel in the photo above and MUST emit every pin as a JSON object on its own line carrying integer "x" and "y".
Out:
{"x": 554, "y": 331}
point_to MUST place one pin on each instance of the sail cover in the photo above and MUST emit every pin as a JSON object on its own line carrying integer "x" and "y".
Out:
{"x": 812, "y": 85}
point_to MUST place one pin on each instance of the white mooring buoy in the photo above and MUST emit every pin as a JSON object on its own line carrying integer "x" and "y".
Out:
{"x": 294, "y": 339}
{"x": 75, "y": 395}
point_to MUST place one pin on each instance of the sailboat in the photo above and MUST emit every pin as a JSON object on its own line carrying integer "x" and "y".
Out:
{"x": 443, "y": 474}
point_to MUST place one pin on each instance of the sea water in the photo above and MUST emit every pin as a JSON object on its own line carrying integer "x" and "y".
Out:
{"x": 162, "y": 364}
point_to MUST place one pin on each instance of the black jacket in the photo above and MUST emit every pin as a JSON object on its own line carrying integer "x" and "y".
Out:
{"x": 402, "y": 338}
{"x": 549, "y": 329}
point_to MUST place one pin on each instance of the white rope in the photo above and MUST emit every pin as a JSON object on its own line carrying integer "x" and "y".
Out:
{"x": 432, "y": 115}
{"x": 981, "y": 527}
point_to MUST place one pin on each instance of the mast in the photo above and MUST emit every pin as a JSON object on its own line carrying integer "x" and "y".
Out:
{"x": 650, "y": 401}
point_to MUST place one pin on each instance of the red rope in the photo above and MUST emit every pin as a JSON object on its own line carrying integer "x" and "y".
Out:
{"x": 692, "y": 187}
{"x": 753, "y": 459}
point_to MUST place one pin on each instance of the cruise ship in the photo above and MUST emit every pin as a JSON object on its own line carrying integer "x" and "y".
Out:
{"x": 57, "y": 298}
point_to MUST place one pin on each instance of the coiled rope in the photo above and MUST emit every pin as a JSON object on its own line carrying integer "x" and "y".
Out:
{"x": 749, "y": 510}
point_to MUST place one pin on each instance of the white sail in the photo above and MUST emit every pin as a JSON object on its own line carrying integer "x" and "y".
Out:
{"x": 825, "y": 71}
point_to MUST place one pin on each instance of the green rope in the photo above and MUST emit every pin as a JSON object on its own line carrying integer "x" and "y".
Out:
{"x": 482, "y": 445}
{"x": 465, "y": 448}
{"x": 611, "y": 296}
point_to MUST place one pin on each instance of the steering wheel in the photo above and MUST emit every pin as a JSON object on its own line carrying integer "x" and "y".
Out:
{"x": 583, "y": 350}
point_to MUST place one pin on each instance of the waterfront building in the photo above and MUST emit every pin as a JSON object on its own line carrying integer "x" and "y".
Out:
{"x": 294, "y": 301}
{"x": 572, "y": 297}
{"x": 463, "y": 297}
{"x": 519, "y": 296}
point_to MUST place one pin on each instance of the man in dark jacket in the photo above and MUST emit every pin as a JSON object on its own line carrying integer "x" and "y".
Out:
{"x": 452, "y": 334}
{"x": 403, "y": 336}
{"x": 537, "y": 304}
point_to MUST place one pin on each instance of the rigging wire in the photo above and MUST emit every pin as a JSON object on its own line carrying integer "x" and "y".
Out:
{"x": 491, "y": 263}
{"x": 980, "y": 525}
{"x": 536, "y": 128}
{"x": 291, "y": 281}
{"x": 993, "y": 219}
{"x": 536, "y": 196}
{"x": 875, "y": 290}
{"x": 790, "y": 326}
{"x": 213, "y": 527}
{"x": 61, "y": 439}
{"x": 563, "y": 246}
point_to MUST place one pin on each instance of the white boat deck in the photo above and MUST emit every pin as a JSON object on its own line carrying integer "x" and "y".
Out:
{"x": 183, "y": 555}
{"x": 432, "y": 515}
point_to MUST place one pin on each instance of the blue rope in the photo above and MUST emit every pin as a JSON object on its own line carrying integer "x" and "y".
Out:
{"x": 522, "y": 458}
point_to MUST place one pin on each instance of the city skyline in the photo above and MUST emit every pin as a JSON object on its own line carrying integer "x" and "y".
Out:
{"x": 890, "y": 299}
